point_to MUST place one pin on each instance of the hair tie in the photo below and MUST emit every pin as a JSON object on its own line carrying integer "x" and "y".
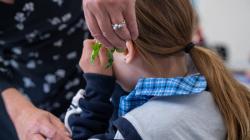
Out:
{"x": 189, "y": 47}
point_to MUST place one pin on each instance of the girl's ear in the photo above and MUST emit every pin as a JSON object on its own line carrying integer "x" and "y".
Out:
{"x": 130, "y": 52}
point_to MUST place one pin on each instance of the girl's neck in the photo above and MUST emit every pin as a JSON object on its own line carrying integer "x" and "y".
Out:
{"x": 172, "y": 66}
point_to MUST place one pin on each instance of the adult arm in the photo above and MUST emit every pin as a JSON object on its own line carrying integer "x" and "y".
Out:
{"x": 8, "y": 1}
{"x": 29, "y": 121}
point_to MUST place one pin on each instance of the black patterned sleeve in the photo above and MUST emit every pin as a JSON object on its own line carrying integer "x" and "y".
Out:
{"x": 6, "y": 77}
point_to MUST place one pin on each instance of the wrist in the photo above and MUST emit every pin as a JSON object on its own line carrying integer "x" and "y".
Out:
{"x": 100, "y": 80}
{"x": 99, "y": 87}
{"x": 97, "y": 74}
{"x": 23, "y": 113}
{"x": 15, "y": 103}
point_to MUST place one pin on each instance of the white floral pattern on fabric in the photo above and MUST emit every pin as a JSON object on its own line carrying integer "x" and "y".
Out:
{"x": 22, "y": 16}
{"x": 41, "y": 51}
{"x": 58, "y": 2}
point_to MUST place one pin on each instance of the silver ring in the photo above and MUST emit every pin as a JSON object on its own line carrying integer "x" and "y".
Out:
{"x": 119, "y": 25}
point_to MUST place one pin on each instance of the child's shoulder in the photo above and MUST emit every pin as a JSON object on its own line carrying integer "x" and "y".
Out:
{"x": 175, "y": 117}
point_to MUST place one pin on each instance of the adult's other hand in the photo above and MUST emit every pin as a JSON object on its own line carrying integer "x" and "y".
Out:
{"x": 100, "y": 15}
{"x": 8, "y": 1}
{"x": 36, "y": 124}
{"x": 30, "y": 122}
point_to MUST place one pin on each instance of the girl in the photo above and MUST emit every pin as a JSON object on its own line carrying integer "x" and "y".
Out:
{"x": 165, "y": 100}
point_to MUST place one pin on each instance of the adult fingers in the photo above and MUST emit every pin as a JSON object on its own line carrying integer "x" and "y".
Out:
{"x": 105, "y": 26}
{"x": 130, "y": 18}
{"x": 37, "y": 137}
{"x": 117, "y": 18}
{"x": 54, "y": 120}
{"x": 47, "y": 129}
{"x": 50, "y": 131}
{"x": 94, "y": 28}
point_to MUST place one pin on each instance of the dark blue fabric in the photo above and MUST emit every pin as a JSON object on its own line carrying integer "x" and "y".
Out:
{"x": 5, "y": 85}
{"x": 5, "y": 78}
{"x": 7, "y": 130}
{"x": 96, "y": 119}
{"x": 40, "y": 48}
{"x": 117, "y": 94}
{"x": 35, "y": 44}
{"x": 127, "y": 130}
{"x": 122, "y": 125}
{"x": 96, "y": 107}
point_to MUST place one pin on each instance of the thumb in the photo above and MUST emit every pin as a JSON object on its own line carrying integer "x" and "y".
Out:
{"x": 37, "y": 137}
{"x": 47, "y": 129}
{"x": 60, "y": 126}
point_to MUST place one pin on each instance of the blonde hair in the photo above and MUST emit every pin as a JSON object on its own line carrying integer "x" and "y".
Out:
{"x": 165, "y": 27}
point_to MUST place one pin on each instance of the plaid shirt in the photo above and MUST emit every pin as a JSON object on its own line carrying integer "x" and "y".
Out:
{"x": 147, "y": 88}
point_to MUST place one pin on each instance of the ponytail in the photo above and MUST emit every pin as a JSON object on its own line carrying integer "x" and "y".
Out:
{"x": 165, "y": 31}
{"x": 231, "y": 97}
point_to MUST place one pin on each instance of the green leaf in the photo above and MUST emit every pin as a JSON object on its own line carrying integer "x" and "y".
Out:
{"x": 110, "y": 57}
{"x": 95, "y": 51}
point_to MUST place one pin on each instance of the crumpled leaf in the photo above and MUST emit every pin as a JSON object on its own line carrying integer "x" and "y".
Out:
{"x": 96, "y": 50}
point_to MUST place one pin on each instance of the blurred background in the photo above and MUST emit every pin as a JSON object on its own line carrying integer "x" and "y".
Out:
{"x": 224, "y": 27}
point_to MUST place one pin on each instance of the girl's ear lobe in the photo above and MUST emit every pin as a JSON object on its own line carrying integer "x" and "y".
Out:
{"x": 129, "y": 52}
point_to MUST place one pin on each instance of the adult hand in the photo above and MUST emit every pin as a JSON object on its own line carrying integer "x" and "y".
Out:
{"x": 99, "y": 66}
{"x": 30, "y": 122}
{"x": 36, "y": 124}
{"x": 101, "y": 14}
{"x": 8, "y": 1}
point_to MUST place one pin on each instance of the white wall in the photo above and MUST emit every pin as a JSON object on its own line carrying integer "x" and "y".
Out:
{"x": 228, "y": 22}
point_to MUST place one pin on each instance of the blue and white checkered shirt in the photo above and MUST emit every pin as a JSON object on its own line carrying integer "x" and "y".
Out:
{"x": 146, "y": 88}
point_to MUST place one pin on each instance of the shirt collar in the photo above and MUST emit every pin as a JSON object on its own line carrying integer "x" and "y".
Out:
{"x": 191, "y": 84}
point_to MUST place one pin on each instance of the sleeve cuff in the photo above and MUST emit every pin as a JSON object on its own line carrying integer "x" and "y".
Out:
{"x": 4, "y": 86}
{"x": 99, "y": 87}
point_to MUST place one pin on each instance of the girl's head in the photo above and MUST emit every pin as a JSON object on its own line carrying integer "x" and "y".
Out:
{"x": 165, "y": 28}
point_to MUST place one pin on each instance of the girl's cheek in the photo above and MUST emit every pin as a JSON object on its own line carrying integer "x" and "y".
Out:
{"x": 117, "y": 59}
{"x": 119, "y": 68}
{"x": 116, "y": 64}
